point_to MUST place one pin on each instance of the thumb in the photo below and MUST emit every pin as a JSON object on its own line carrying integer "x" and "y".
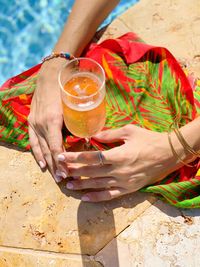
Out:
{"x": 110, "y": 136}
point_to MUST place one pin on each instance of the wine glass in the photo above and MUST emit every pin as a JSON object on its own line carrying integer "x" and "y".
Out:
{"x": 82, "y": 83}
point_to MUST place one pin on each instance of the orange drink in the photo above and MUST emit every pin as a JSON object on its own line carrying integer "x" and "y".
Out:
{"x": 83, "y": 97}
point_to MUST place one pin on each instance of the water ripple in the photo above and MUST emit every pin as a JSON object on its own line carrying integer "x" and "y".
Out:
{"x": 30, "y": 28}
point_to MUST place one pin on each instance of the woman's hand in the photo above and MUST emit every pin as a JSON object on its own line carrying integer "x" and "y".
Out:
{"x": 144, "y": 158}
{"x": 46, "y": 120}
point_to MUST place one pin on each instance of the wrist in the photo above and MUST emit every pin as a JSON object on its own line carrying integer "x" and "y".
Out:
{"x": 184, "y": 142}
{"x": 51, "y": 68}
{"x": 182, "y": 154}
{"x": 191, "y": 134}
{"x": 54, "y": 63}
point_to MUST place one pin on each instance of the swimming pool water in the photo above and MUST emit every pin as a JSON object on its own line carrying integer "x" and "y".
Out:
{"x": 30, "y": 28}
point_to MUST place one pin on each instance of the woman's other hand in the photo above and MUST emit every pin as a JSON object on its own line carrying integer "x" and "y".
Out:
{"x": 143, "y": 159}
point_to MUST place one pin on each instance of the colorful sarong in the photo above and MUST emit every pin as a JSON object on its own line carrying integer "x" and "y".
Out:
{"x": 145, "y": 86}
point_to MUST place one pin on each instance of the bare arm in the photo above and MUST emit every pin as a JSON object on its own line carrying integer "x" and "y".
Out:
{"x": 85, "y": 18}
{"x": 191, "y": 133}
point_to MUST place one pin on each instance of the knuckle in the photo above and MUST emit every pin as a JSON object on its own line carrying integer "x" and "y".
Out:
{"x": 38, "y": 123}
{"x": 73, "y": 172}
{"x": 127, "y": 128}
{"x": 97, "y": 183}
{"x": 54, "y": 150}
{"x": 34, "y": 145}
{"x": 53, "y": 118}
{"x": 78, "y": 185}
{"x": 46, "y": 155}
{"x": 46, "y": 120}
{"x": 112, "y": 182}
{"x": 33, "y": 142}
{"x": 86, "y": 170}
{"x": 95, "y": 197}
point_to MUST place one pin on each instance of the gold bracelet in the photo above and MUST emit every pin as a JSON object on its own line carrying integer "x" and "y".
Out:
{"x": 173, "y": 150}
{"x": 183, "y": 141}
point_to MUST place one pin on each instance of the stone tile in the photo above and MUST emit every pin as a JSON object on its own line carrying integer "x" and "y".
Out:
{"x": 115, "y": 29}
{"x": 10, "y": 257}
{"x": 36, "y": 213}
{"x": 161, "y": 236}
{"x": 171, "y": 23}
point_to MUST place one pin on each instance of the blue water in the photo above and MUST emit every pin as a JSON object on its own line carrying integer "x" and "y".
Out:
{"x": 29, "y": 30}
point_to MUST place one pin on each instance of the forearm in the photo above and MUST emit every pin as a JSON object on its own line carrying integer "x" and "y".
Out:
{"x": 191, "y": 133}
{"x": 82, "y": 24}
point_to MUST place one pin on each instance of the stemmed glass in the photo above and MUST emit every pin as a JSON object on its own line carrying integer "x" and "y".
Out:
{"x": 82, "y": 83}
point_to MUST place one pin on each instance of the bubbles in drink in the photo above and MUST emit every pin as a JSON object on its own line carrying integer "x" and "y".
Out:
{"x": 82, "y": 84}
{"x": 84, "y": 105}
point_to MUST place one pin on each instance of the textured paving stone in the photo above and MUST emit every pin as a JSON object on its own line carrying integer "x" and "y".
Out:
{"x": 161, "y": 236}
{"x": 37, "y": 214}
{"x": 11, "y": 257}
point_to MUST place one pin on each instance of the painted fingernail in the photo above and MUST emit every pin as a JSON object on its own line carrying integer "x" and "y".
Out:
{"x": 70, "y": 186}
{"x": 57, "y": 178}
{"x": 61, "y": 157}
{"x": 85, "y": 198}
{"x": 42, "y": 164}
{"x": 60, "y": 173}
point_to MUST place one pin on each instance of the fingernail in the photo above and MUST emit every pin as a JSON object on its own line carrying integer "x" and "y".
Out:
{"x": 85, "y": 198}
{"x": 70, "y": 186}
{"x": 57, "y": 178}
{"x": 61, "y": 157}
{"x": 60, "y": 173}
{"x": 42, "y": 164}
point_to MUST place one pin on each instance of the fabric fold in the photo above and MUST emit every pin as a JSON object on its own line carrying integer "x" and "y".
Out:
{"x": 145, "y": 86}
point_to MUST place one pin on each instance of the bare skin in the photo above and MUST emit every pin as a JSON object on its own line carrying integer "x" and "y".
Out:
{"x": 143, "y": 159}
{"x": 46, "y": 118}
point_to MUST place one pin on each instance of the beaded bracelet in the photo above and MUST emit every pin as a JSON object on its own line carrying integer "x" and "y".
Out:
{"x": 55, "y": 55}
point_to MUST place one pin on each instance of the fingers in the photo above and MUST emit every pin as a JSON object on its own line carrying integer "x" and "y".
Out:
{"x": 91, "y": 157}
{"x": 37, "y": 152}
{"x": 92, "y": 183}
{"x": 43, "y": 155}
{"x": 90, "y": 170}
{"x": 110, "y": 136}
{"x": 48, "y": 157}
{"x": 47, "y": 152}
{"x": 103, "y": 195}
{"x": 55, "y": 142}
